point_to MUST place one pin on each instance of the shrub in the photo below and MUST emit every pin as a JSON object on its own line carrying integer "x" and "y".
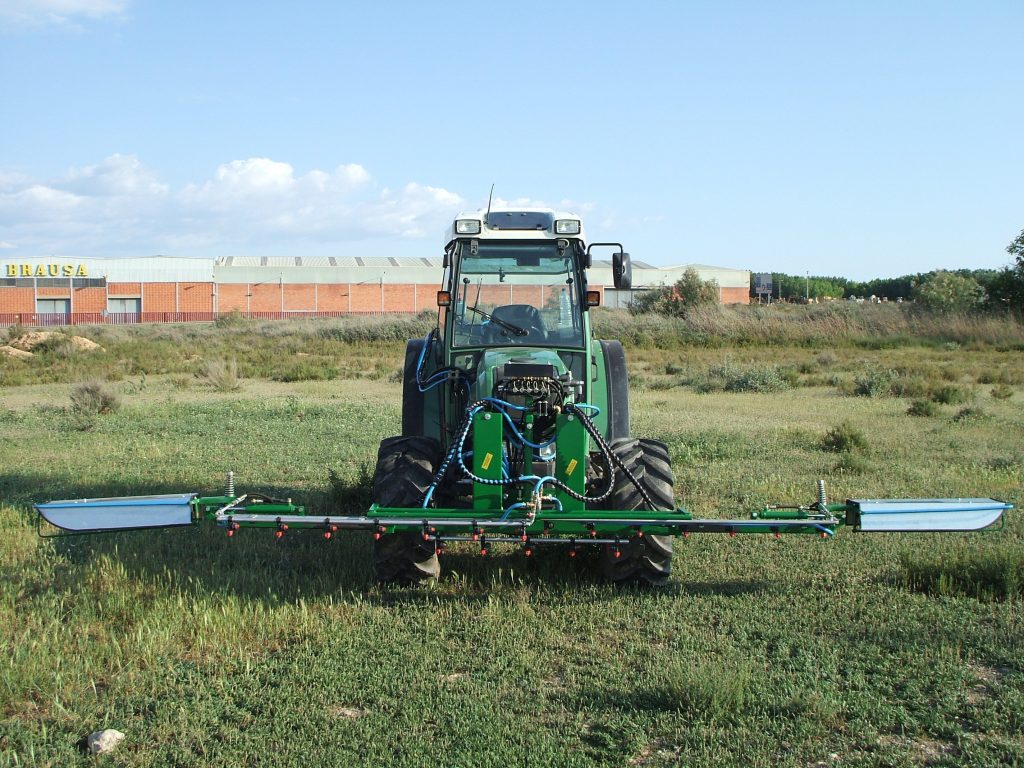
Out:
{"x": 232, "y": 319}
{"x": 222, "y": 375}
{"x": 844, "y": 438}
{"x": 969, "y": 413}
{"x": 922, "y": 408}
{"x": 769, "y": 379}
{"x": 94, "y": 397}
{"x": 1002, "y": 392}
{"x": 873, "y": 382}
{"x": 688, "y": 293}
{"x": 948, "y": 395}
{"x": 949, "y": 292}
{"x": 308, "y": 370}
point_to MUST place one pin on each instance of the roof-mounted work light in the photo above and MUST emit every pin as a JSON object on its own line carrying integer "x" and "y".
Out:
{"x": 467, "y": 226}
{"x": 567, "y": 226}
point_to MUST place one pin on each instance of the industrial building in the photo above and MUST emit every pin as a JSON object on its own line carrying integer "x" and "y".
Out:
{"x": 61, "y": 291}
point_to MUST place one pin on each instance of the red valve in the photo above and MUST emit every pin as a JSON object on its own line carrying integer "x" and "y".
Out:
{"x": 483, "y": 550}
{"x": 778, "y": 535}
{"x": 732, "y": 534}
{"x": 278, "y": 534}
{"x": 618, "y": 554}
{"x": 376, "y": 536}
{"x": 639, "y": 534}
{"x": 528, "y": 552}
{"x": 572, "y": 553}
{"x": 524, "y": 537}
{"x": 686, "y": 534}
{"x": 231, "y": 532}
{"x": 327, "y": 535}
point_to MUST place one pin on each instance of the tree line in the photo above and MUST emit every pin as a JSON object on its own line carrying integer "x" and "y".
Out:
{"x": 957, "y": 289}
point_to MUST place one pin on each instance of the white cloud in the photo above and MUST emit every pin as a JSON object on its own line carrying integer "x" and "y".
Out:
{"x": 58, "y": 12}
{"x": 4, "y": 244}
{"x": 258, "y": 204}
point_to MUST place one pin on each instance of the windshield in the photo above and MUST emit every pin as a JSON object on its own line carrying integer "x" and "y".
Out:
{"x": 515, "y": 293}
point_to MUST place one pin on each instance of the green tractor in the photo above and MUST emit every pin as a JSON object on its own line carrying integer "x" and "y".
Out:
{"x": 515, "y": 430}
{"x": 511, "y": 409}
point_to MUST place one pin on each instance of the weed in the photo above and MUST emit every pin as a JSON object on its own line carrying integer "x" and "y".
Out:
{"x": 308, "y": 369}
{"x": 970, "y": 413}
{"x": 982, "y": 574}
{"x": 232, "y": 319}
{"x": 702, "y": 690}
{"x": 873, "y": 382}
{"x": 826, "y": 359}
{"x": 844, "y": 438}
{"x": 1001, "y": 392}
{"x": 922, "y": 407}
{"x": 852, "y": 464}
{"x": 94, "y": 397}
{"x": 948, "y": 395}
{"x": 222, "y": 375}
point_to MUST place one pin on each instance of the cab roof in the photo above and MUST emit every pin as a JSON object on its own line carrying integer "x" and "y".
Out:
{"x": 514, "y": 224}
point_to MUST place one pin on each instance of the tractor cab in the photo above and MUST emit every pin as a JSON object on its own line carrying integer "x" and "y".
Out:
{"x": 516, "y": 279}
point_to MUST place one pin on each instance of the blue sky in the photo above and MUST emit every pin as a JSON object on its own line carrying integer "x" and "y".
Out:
{"x": 859, "y": 139}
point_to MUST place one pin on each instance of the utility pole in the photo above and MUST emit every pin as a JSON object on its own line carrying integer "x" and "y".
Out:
{"x": 807, "y": 288}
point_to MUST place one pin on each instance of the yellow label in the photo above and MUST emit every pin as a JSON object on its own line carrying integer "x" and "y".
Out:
{"x": 570, "y": 467}
{"x": 486, "y": 463}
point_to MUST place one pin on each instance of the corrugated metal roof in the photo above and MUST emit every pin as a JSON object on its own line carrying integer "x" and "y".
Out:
{"x": 334, "y": 269}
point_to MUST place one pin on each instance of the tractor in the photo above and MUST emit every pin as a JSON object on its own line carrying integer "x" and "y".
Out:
{"x": 515, "y": 429}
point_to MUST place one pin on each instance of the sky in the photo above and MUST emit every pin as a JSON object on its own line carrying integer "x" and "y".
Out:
{"x": 857, "y": 139}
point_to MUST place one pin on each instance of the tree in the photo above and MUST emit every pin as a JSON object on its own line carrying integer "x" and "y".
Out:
{"x": 1007, "y": 289}
{"x": 688, "y": 292}
{"x": 949, "y": 292}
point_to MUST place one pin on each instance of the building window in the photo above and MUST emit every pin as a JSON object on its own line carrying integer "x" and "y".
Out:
{"x": 53, "y": 306}
{"x": 124, "y": 306}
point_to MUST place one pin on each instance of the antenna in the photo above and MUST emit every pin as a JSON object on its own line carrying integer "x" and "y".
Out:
{"x": 489, "y": 201}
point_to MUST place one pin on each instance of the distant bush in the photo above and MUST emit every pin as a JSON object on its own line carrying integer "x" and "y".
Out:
{"x": 922, "y": 408}
{"x": 94, "y": 397}
{"x": 949, "y": 292}
{"x": 729, "y": 377}
{"x": 222, "y": 375}
{"x": 308, "y": 369}
{"x": 970, "y": 413}
{"x": 1001, "y": 392}
{"x": 232, "y": 319}
{"x": 949, "y": 395}
{"x": 873, "y": 382}
{"x": 844, "y": 438}
{"x": 688, "y": 293}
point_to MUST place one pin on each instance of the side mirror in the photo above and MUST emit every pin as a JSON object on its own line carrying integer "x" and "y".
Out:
{"x": 622, "y": 271}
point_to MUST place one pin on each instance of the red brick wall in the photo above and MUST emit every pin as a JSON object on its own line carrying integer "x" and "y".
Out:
{"x": 125, "y": 289}
{"x": 17, "y": 300}
{"x": 89, "y": 300}
{"x": 195, "y": 297}
{"x": 735, "y": 295}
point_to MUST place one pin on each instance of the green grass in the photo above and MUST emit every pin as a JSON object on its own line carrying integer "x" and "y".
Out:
{"x": 879, "y": 649}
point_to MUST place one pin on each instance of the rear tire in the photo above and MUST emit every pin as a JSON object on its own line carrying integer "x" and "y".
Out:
{"x": 405, "y": 467}
{"x": 646, "y": 560}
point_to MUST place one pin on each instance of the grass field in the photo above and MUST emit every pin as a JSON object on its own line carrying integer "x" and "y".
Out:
{"x": 863, "y": 650}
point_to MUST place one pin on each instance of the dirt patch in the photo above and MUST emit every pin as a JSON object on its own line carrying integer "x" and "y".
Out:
{"x": 19, "y": 354}
{"x": 32, "y": 339}
{"x": 922, "y": 751}
{"x": 347, "y": 713}
{"x": 986, "y": 677}
{"x": 82, "y": 344}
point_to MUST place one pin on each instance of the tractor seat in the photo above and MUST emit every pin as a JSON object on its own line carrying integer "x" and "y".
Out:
{"x": 524, "y": 316}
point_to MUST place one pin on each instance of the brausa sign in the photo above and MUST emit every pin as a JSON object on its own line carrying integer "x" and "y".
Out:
{"x": 46, "y": 270}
